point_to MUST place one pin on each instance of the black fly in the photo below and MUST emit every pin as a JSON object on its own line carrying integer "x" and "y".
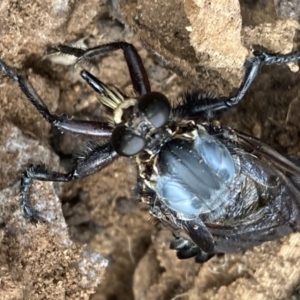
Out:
{"x": 216, "y": 189}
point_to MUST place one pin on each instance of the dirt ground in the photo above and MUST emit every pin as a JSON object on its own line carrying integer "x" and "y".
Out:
{"x": 100, "y": 244}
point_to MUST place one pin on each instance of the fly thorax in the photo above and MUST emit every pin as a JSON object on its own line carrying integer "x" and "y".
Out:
{"x": 194, "y": 176}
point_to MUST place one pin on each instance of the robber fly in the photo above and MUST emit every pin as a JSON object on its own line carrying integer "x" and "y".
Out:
{"x": 216, "y": 189}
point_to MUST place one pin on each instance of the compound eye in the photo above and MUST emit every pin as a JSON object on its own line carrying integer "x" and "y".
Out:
{"x": 156, "y": 107}
{"x": 125, "y": 142}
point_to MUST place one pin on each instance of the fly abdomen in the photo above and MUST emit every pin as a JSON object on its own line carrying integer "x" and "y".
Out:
{"x": 194, "y": 176}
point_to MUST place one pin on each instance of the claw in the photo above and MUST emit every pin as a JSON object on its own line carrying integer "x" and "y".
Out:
{"x": 33, "y": 215}
{"x": 8, "y": 71}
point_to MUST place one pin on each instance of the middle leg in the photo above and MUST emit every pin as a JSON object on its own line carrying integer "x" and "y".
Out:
{"x": 62, "y": 122}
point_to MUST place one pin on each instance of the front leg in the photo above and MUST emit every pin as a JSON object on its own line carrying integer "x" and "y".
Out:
{"x": 206, "y": 107}
{"x": 137, "y": 71}
{"x": 97, "y": 159}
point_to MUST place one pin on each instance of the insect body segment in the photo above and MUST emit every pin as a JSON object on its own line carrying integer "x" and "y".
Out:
{"x": 194, "y": 175}
{"x": 216, "y": 189}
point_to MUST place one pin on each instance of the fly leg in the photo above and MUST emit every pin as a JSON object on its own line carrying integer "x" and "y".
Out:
{"x": 138, "y": 74}
{"x": 208, "y": 107}
{"x": 62, "y": 122}
{"x": 97, "y": 159}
